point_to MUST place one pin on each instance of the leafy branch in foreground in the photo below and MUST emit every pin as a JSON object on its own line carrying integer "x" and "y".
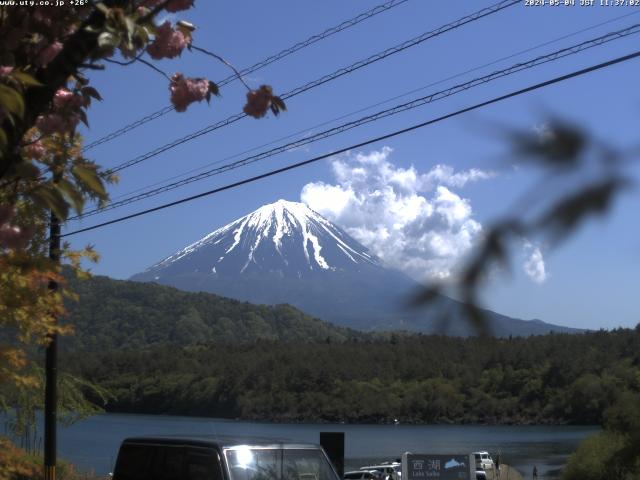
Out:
{"x": 25, "y": 400}
{"x": 47, "y": 54}
{"x": 581, "y": 179}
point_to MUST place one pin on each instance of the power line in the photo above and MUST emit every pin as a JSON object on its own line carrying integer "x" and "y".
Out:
{"x": 257, "y": 66}
{"x": 316, "y": 38}
{"x": 245, "y": 181}
{"x": 427, "y": 99}
{"x": 324, "y": 79}
{"x": 377, "y": 104}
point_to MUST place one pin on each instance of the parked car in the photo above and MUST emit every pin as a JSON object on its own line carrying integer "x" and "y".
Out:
{"x": 481, "y": 475}
{"x": 206, "y": 458}
{"x": 390, "y": 471}
{"x": 362, "y": 475}
{"x": 483, "y": 461}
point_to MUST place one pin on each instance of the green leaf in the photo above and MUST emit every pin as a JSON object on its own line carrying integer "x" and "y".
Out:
{"x": 102, "y": 7}
{"x": 11, "y": 100}
{"x": 48, "y": 196}
{"x": 83, "y": 117}
{"x": 279, "y": 103}
{"x": 131, "y": 26}
{"x": 91, "y": 92}
{"x": 594, "y": 199}
{"x": 25, "y": 79}
{"x": 72, "y": 193}
{"x": 26, "y": 170}
{"x": 143, "y": 35}
{"x": 107, "y": 40}
{"x": 213, "y": 88}
{"x": 88, "y": 176}
{"x": 3, "y": 139}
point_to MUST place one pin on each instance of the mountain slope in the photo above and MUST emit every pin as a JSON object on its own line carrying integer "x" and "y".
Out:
{"x": 115, "y": 314}
{"x": 285, "y": 252}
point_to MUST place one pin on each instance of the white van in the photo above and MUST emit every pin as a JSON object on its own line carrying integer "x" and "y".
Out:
{"x": 483, "y": 461}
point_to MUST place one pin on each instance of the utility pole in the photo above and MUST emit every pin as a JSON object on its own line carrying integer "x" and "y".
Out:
{"x": 51, "y": 367}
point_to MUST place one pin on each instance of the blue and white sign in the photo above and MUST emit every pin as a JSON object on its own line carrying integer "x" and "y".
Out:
{"x": 423, "y": 466}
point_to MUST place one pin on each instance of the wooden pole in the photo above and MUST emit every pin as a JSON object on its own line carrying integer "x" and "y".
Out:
{"x": 51, "y": 368}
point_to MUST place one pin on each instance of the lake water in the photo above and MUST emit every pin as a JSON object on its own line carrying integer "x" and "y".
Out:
{"x": 93, "y": 443}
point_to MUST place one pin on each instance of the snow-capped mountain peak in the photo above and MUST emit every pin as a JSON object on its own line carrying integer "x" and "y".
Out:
{"x": 282, "y": 236}
{"x": 285, "y": 252}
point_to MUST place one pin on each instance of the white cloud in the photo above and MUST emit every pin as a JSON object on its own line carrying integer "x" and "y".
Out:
{"x": 413, "y": 221}
{"x": 534, "y": 265}
{"x": 444, "y": 174}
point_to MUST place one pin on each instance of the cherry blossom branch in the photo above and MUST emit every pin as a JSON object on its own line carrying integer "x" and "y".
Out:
{"x": 125, "y": 64}
{"x": 92, "y": 66}
{"x": 139, "y": 59}
{"x": 220, "y": 59}
{"x": 153, "y": 67}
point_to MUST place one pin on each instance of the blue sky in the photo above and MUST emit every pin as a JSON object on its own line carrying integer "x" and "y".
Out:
{"x": 590, "y": 281}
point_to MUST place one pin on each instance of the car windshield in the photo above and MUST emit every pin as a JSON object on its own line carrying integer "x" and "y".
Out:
{"x": 246, "y": 463}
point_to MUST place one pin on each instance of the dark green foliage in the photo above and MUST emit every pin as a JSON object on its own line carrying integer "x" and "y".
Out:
{"x": 115, "y": 314}
{"x": 614, "y": 454}
{"x": 557, "y": 378}
{"x": 594, "y": 457}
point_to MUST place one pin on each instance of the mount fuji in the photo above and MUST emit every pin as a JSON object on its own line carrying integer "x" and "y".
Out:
{"x": 285, "y": 252}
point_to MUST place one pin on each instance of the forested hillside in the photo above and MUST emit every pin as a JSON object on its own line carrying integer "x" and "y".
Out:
{"x": 115, "y": 314}
{"x": 557, "y": 378}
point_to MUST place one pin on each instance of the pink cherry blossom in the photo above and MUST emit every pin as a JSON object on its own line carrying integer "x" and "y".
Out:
{"x": 12, "y": 236}
{"x": 49, "y": 53}
{"x": 168, "y": 43}
{"x": 65, "y": 98}
{"x": 34, "y": 150}
{"x": 258, "y": 101}
{"x": 56, "y": 123}
{"x": 50, "y": 123}
{"x": 62, "y": 98}
{"x": 184, "y": 91}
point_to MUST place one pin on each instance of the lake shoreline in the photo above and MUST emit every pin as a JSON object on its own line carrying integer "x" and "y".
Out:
{"x": 292, "y": 420}
{"x": 92, "y": 444}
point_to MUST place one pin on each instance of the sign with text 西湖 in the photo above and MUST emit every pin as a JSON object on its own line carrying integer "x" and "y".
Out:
{"x": 419, "y": 466}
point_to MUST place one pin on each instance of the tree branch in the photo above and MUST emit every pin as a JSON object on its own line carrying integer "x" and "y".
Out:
{"x": 139, "y": 59}
{"x": 220, "y": 59}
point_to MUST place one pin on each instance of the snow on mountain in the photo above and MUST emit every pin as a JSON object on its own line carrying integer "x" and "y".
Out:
{"x": 285, "y": 252}
{"x": 283, "y": 236}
